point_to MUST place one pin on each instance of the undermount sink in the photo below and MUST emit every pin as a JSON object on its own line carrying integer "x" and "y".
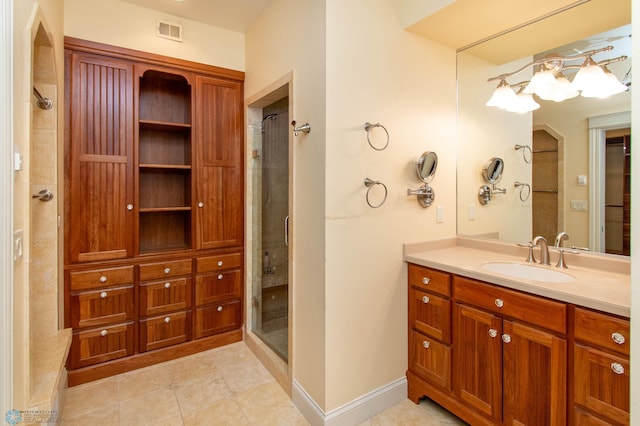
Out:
{"x": 528, "y": 272}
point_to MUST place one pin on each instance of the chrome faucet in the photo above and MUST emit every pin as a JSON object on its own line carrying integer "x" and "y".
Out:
{"x": 544, "y": 249}
{"x": 560, "y": 237}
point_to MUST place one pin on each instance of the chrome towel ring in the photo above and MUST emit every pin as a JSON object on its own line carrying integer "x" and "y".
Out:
{"x": 522, "y": 187}
{"x": 370, "y": 183}
{"x": 524, "y": 148}
{"x": 368, "y": 127}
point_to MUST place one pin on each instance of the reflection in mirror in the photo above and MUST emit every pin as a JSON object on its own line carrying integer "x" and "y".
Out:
{"x": 492, "y": 172}
{"x": 426, "y": 166}
{"x": 568, "y": 141}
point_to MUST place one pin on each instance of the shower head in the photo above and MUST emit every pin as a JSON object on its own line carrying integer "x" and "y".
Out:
{"x": 269, "y": 117}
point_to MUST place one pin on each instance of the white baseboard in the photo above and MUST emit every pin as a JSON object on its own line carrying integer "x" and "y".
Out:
{"x": 354, "y": 412}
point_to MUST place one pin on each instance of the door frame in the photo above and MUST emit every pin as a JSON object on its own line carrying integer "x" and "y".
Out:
{"x": 598, "y": 126}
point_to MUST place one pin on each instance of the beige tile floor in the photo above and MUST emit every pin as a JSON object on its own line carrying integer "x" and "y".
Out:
{"x": 223, "y": 386}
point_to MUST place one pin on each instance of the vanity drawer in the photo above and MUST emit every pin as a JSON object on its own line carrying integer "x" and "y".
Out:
{"x": 168, "y": 269}
{"x": 430, "y": 280}
{"x": 90, "y": 347}
{"x": 100, "y": 307}
{"x": 430, "y": 359}
{"x": 218, "y": 263}
{"x": 98, "y": 278}
{"x": 430, "y": 314}
{"x": 212, "y": 288}
{"x": 218, "y": 318}
{"x": 165, "y": 296}
{"x": 535, "y": 310}
{"x": 602, "y": 330}
{"x": 165, "y": 330}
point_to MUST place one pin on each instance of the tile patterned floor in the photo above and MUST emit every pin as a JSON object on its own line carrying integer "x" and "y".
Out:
{"x": 223, "y": 386}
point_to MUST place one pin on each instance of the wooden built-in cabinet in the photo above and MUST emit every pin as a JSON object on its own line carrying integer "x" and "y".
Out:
{"x": 154, "y": 208}
{"x": 493, "y": 355}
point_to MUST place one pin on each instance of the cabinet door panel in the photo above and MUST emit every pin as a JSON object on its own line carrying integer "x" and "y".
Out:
{"x": 101, "y": 158}
{"x": 158, "y": 332}
{"x": 430, "y": 359}
{"x": 100, "y": 345}
{"x": 106, "y": 306}
{"x": 212, "y": 288}
{"x": 598, "y": 387}
{"x": 218, "y": 318}
{"x": 477, "y": 348}
{"x": 535, "y": 371}
{"x": 165, "y": 296}
{"x": 219, "y": 163}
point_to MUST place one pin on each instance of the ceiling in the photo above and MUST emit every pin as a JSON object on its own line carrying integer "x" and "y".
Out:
{"x": 234, "y": 15}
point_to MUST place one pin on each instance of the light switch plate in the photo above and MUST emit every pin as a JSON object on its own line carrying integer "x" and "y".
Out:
{"x": 17, "y": 244}
{"x": 579, "y": 205}
{"x": 582, "y": 180}
{"x": 440, "y": 214}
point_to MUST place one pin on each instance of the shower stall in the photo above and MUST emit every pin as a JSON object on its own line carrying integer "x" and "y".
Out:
{"x": 270, "y": 229}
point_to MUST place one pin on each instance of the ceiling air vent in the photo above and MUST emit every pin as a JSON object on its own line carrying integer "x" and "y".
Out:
{"x": 169, "y": 30}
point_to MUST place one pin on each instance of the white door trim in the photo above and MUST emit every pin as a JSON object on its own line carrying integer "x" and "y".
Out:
{"x": 6, "y": 207}
{"x": 598, "y": 127}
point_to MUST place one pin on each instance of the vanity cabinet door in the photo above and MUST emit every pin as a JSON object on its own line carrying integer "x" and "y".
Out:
{"x": 477, "y": 348}
{"x": 535, "y": 376}
{"x": 430, "y": 359}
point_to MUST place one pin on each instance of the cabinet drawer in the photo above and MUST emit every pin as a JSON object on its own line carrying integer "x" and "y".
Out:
{"x": 583, "y": 418}
{"x": 90, "y": 347}
{"x": 212, "y": 288}
{"x": 218, "y": 263}
{"x": 430, "y": 280}
{"x": 430, "y": 314}
{"x": 603, "y": 330}
{"x": 100, "y": 307}
{"x": 165, "y": 296}
{"x": 601, "y": 383}
{"x": 218, "y": 318}
{"x": 165, "y": 330}
{"x": 168, "y": 269}
{"x": 99, "y": 278}
{"x": 430, "y": 359}
{"x": 532, "y": 309}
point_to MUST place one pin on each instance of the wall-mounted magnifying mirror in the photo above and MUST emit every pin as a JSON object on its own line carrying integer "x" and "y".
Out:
{"x": 492, "y": 172}
{"x": 426, "y": 166}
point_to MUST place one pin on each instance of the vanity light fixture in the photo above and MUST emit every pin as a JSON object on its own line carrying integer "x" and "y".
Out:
{"x": 593, "y": 80}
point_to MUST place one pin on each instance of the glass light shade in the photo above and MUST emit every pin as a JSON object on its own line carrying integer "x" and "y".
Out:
{"x": 522, "y": 103}
{"x": 502, "y": 96}
{"x": 563, "y": 90}
{"x": 542, "y": 84}
{"x": 608, "y": 86}
{"x": 589, "y": 76}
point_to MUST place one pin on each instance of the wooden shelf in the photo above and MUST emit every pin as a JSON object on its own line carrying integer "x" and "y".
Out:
{"x": 166, "y": 166}
{"x": 164, "y": 209}
{"x": 164, "y": 125}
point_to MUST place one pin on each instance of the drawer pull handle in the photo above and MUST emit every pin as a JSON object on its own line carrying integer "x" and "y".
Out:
{"x": 103, "y": 295}
{"x": 219, "y": 276}
{"x": 129, "y": 207}
{"x": 618, "y": 338}
{"x": 506, "y": 338}
{"x": 104, "y": 333}
{"x": 617, "y": 368}
{"x": 493, "y": 332}
{"x": 167, "y": 270}
{"x": 167, "y": 320}
{"x": 103, "y": 279}
{"x": 167, "y": 285}
{"x": 219, "y": 262}
{"x": 425, "y": 299}
{"x": 220, "y": 308}
{"x": 425, "y": 280}
{"x": 426, "y": 344}
{"x": 201, "y": 204}
{"x": 499, "y": 303}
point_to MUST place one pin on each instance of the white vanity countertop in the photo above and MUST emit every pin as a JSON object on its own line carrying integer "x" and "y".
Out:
{"x": 601, "y": 282}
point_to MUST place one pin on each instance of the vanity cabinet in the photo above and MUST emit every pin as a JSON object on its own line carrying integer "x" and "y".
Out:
{"x": 601, "y": 385}
{"x": 503, "y": 360}
{"x": 154, "y": 190}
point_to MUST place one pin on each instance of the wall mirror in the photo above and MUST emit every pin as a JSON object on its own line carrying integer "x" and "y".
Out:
{"x": 572, "y": 141}
{"x": 426, "y": 166}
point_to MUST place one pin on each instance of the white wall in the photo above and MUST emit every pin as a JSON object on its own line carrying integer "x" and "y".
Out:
{"x": 290, "y": 37}
{"x": 377, "y": 72}
{"x": 484, "y": 133}
{"x": 126, "y": 25}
